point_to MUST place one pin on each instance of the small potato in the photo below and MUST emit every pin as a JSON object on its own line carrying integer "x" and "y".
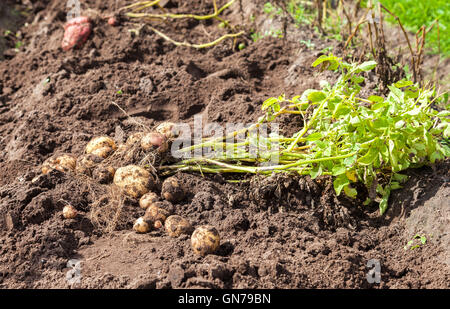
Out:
{"x": 134, "y": 138}
{"x": 134, "y": 180}
{"x": 148, "y": 199}
{"x": 112, "y": 21}
{"x": 157, "y": 225}
{"x": 63, "y": 163}
{"x": 154, "y": 213}
{"x": 152, "y": 141}
{"x": 205, "y": 240}
{"x": 172, "y": 190}
{"x": 141, "y": 225}
{"x": 86, "y": 164}
{"x": 168, "y": 129}
{"x": 101, "y": 146}
{"x": 176, "y": 225}
{"x": 104, "y": 174}
{"x": 69, "y": 212}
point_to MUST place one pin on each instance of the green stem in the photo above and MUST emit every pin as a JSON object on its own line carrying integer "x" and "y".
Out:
{"x": 309, "y": 124}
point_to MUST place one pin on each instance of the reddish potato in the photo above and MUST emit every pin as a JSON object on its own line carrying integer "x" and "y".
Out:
{"x": 112, "y": 21}
{"x": 77, "y": 31}
{"x": 151, "y": 141}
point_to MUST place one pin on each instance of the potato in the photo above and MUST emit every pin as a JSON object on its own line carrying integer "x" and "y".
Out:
{"x": 104, "y": 174}
{"x": 148, "y": 199}
{"x": 205, "y": 240}
{"x": 152, "y": 141}
{"x": 141, "y": 225}
{"x": 86, "y": 164}
{"x": 168, "y": 129}
{"x": 157, "y": 225}
{"x": 154, "y": 214}
{"x": 134, "y": 138}
{"x": 172, "y": 190}
{"x": 167, "y": 206}
{"x": 101, "y": 146}
{"x": 112, "y": 21}
{"x": 176, "y": 225}
{"x": 134, "y": 180}
{"x": 63, "y": 163}
{"x": 69, "y": 212}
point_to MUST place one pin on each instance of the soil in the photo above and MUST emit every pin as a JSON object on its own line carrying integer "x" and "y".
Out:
{"x": 276, "y": 232}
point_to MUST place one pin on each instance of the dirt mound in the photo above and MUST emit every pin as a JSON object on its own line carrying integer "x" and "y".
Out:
{"x": 277, "y": 232}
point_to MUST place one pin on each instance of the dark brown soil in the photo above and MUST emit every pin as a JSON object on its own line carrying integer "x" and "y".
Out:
{"x": 276, "y": 232}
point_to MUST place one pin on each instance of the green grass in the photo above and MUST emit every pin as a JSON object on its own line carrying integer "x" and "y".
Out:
{"x": 415, "y": 13}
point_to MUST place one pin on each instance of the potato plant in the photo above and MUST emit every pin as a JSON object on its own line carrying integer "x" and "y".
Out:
{"x": 353, "y": 139}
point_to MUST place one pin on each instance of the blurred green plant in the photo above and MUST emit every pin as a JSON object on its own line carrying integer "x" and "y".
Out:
{"x": 415, "y": 13}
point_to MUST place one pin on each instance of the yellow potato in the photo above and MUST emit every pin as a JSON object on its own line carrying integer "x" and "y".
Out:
{"x": 69, "y": 212}
{"x": 63, "y": 163}
{"x": 134, "y": 138}
{"x": 205, "y": 240}
{"x": 101, "y": 146}
{"x": 168, "y": 129}
{"x": 148, "y": 199}
{"x": 141, "y": 226}
{"x": 176, "y": 225}
{"x": 86, "y": 164}
{"x": 134, "y": 180}
{"x": 155, "y": 213}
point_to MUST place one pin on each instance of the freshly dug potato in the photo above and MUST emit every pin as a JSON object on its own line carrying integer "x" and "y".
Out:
{"x": 104, "y": 174}
{"x": 141, "y": 225}
{"x": 172, "y": 190}
{"x": 134, "y": 180}
{"x": 154, "y": 214}
{"x": 176, "y": 225}
{"x": 86, "y": 164}
{"x": 168, "y": 129}
{"x": 101, "y": 146}
{"x": 112, "y": 21}
{"x": 148, "y": 199}
{"x": 77, "y": 31}
{"x": 69, "y": 212}
{"x": 134, "y": 138}
{"x": 205, "y": 240}
{"x": 63, "y": 163}
{"x": 157, "y": 225}
{"x": 152, "y": 141}
{"x": 167, "y": 206}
